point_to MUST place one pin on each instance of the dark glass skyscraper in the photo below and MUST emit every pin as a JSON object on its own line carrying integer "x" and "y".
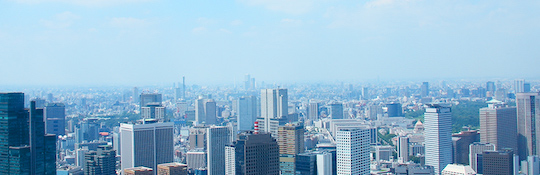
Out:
{"x": 42, "y": 146}
{"x": 256, "y": 154}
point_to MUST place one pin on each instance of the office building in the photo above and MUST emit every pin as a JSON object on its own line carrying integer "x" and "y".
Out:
{"x": 475, "y": 154}
{"x": 14, "y": 124}
{"x": 336, "y": 111}
{"x": 42, "y": 145}
{"x": 519, "y": 86}
{"x": 413, "y": 169}
{"x": 498, "y": 162}
{"x": 528, "y": 111}
{"x": 313, "y": 111}
{"x": 526, "y": 87}
{"x": 460, "y": 145}
{"x": 55, "y": 119}
{"x": 205, "y": 111}
{"x": 498, "y": 125}
{"x": 139, "y": 171}
{"x": 88, "y": 130}
{"x": 324, "y": 163}
{"x": 382, "y": 152}
{"x": 149, "y": 98}
{"x": 230, "y": 160}
{"x": 424, "y": 89}
{"x": 394, "y": 110}
{"x": 256, "y": 153}
{"x": 403, "y": 149}
{"x": 490, "y": 86}
{"x": 146, "y": 144}
{"x": 274, "y": 105}
{"x": 438, "y": 138}
{"x": 531, "y": 165}
{"x": 457, "y": 169}
{"x": 197, "y": 137}
{"x": 353, "y": 151}
{"x": 218, "y": 137}
{"x": 291, "y": 143}
{"x": 172, "y": 169}
{"x": 196, "y": 159}
{"x": 247, "y": 112}
{"x": 306, "y": 163}
{"x": 100, "y": 162}
{"x": 153, "y": 110}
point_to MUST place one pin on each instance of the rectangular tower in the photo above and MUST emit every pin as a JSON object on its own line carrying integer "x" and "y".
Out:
{"x": 353, "y": 151}
{"x": 218, "y": 137}
{"x": 528, "y": 124}
{"x": 438, "y": 137}
{"x": 498, "y": 125}
{"x": 274, "y": 104}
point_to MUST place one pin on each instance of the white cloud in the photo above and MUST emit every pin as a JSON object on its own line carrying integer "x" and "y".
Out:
{"x": 205, "y": 21}
{"x": 287, "y": 6}
{"x": 224, "y": 31}
{"x": 61, "y": 20}
{"x": 124, "y": 22}
{"x": 83, "y": 2}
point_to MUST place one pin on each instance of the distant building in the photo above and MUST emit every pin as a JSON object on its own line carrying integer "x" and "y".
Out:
{"x": 205, "y": 111}
{"x": 424, "y": 89}
{"x": 438, "y": 139}
{"x": 139, "y": 171}
{"x": 218, "y": 137}
{"x": 274, "y": 105}
{"x": 154, "y": 110}
{"x": 404, "y": 169}
{"x": 460, "y": 145}
{"x": 394, "y": 110}
{"x": 197, "y": 137}
{"x": 519, "y": 86}
{"x": 172, "y": 169}
{"x": 336, "y": 111}
{"x": 382, "y": 152}
{"x": 146, "y": 144}
{"x": 196, "y": 159}
{"x": 149, "y": 98}
{"x": 55, "y": 118}
{"x": 475, "y": 155}
{"x": 313, "y": 111}
{"x": 403, "y": 149}
{"x": 247, "y": 112}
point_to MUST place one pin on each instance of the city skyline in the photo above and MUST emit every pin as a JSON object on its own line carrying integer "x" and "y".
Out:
{"x": 122, "y": 42}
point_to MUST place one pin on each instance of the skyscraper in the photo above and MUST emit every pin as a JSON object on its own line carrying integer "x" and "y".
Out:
{"x": 498, "y": 125}
{"x": 306, "y": 163}
{"x": 424, "y": 90}
{"x": 256, "y": 153}
{"x": 291, "y": 143}
{"x": 247, "y": 112}
{"x": 519, "y": 86}
{"x": 14, "y": 127}
{"x": 403, "y": 149}
{"x": 101, "y": 162}
{"x": 353, "y": 151}
{"x": 55, "y": 118}
{"x": 150, "y": 98}
{"x": 528, "y": 113}
{"x": 218, "y": 137}
{"x": 274, "y": 105}
{"x": 475, "y": 155}
{"x": 394, "y": 110}
{"x": 460, "y": 145}
{"x": 154, "y": 110}
{"x": 146, "y": 144}
{"x": 336, "y": 111}
{"x": 313, "y": 113}
{"x": 498, "y": 162}
{"x": 490, "y": 87}
{"x": 205, "y": 111}
{"x": 438, "y": 138}
{"x": 42, "y": 146}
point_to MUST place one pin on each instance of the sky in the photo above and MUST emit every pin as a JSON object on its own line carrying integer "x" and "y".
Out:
{"x": 145, "y": 42}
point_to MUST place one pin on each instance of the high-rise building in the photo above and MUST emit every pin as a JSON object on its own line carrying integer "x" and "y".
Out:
{"x": 196, "y": 159}
{"x": 394, "y": 110}
{"x": 230, "y": 160}
{"x": 475, "y": 154}
{"x": 403, "y": 149}
{"x": 172, "y": 169}
{"x": 218, "y": 137}
{"x": 528, "y": 113}
{"x": 490, "y": 87}
{"x": 274, "y": 105}
{"x": 526, "y": 87}
{"x": 291, "y": 143}
{"x": 498, "y": 162}
{"x": 424, "y": 89}
{"x": 256, "y": 153}
{"x": 55, "y": 118}
{"x": 14, "y": 129}
{"x": 324, "y": 163}
{"x": 531, "y": 165}
{"x": 197, "y": 137}
{"x": 88, "y": 130}
{"x": 313, "y": 111}
{"x": 365, "y": 93}
{"x": 306, "y": 163}
{"x": 154, "y": 110}
{"x": 336, "y": 111}
{"x": 205, "y": 111}
{"x": 150, "y": 98}
{"x": 146, "y": 144}
{"x": 247, "y": 112}
{"x": 135, "y": 94}
{"x": 353, "y": 151}
{"x": 498, "y": 125}
{"x": 438, "y": 138}
{"x": 42, "y": 146}
{"x": 519, "y": 86}
{"x": 100, "y": 162}
{"x": 460, "y": 145}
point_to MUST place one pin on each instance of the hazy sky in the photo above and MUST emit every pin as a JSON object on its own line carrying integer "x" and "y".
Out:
{"x": 142, "y": 42}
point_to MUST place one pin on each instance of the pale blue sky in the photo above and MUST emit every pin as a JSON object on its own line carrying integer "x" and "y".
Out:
{"x": 143, "y": 42}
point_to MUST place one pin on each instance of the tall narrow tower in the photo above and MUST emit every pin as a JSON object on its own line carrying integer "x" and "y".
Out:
{"x": 274, "y": 104}
{"x": 438, "y": 137}
{"x": 528, "y": 116}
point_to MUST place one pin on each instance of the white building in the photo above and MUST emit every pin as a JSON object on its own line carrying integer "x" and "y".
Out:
{"x": 455, "y": 169}
{"x": 438, "y": 137}
{"x": 274, "y": 105}
{"x": 230, "y": 164}
{"x": 217, "y": 138}
{"x": 324, "y": 163}
{"x": 146, "y": 144}
{"x": 196, "y": 159}
{"x": 403, "y": 149}
{"x": 247, "y": 112}
{"x": 353, "y": 151}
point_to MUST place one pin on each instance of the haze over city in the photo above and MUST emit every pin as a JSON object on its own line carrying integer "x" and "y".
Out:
{"x": 155, "y": 42}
